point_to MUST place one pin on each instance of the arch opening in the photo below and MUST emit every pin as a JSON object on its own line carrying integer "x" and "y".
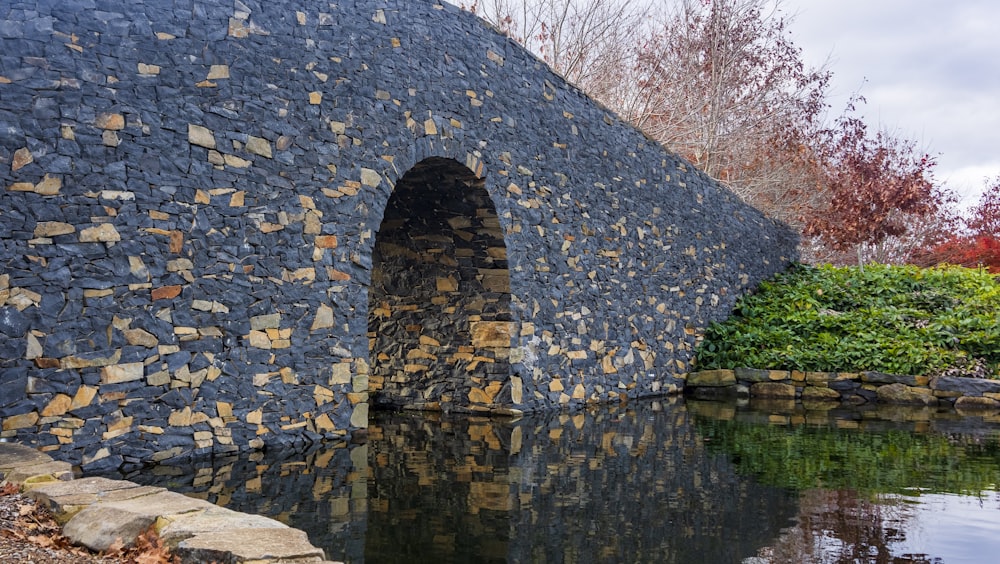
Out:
{"x": 439, "y": 316}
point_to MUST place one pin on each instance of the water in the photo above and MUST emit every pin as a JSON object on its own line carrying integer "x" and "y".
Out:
{"x": 655, "y": 481}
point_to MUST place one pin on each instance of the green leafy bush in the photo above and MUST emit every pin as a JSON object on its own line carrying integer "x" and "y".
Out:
{"x": 896, "y": 319}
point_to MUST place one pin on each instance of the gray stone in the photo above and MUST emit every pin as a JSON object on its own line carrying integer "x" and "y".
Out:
{"x": 903, "y": 394}
{"x": 774, "y": 390}
{"x": 215, "y": 519}
{"x": 965, "y": 386}
{"x": 249, "y": 545}
{"x": 99, "y": 525}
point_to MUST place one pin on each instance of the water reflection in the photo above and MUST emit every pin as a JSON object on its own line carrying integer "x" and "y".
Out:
{"x": 651, "y": 482}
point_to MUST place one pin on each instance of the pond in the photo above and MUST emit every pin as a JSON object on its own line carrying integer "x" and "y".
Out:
{"x": 652, "y": 481}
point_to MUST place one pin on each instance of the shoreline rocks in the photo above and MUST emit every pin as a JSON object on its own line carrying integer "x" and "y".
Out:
{"x": 96, "y": 512}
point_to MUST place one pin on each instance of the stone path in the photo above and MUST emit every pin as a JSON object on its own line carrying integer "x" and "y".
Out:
{"x": 94, "y": 512}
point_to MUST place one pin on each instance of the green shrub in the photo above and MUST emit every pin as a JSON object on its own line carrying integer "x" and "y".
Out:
{"x": 896, "y": 319}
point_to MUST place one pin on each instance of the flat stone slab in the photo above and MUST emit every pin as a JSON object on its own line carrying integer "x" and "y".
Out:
{"x": 249, "y": 545}
{"x": 100, "y": 525}
{"x": 215, "y": 519}
{"x": 13, "y": 455}
{"x": 65, "y": 499}
{"x": 39, "y": 473}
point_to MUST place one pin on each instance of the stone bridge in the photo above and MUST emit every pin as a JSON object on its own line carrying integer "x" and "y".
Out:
{"x": 227, "y": 224}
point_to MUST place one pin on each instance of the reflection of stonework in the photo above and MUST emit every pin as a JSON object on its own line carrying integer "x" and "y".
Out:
{"x": 630, "y": 485}
{"x": 196, "y": 205}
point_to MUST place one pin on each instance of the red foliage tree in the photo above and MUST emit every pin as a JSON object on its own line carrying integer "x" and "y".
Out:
{"x": 979, "y": 244}
{"x": 875, "y": 186}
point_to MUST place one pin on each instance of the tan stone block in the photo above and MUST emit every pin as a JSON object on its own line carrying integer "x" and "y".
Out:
{"x": 775, "y": 390}
{"x": 110, "y": 139}
{"x": 326, "y": 241}
{"x": 819, "y": 377}
{"x": 149, "y": 70}
{"x": 258, "y": 146}
{"x": 259, "y": 339}
{"x": 124, "y": 423}
{"x": 322, "y": 395}
{"x": 22, "y": 158}
{"x": 255, "y": 417}
{"x": 77, "y": 362}
{"x": 491, "y": 334}
{"x": 103, "y": 233}
{"x": 448, "y": 284}
{"x": 20, "y": 421}
{"x": 370, "y": 177}
{"x": 324, "y": 424}
{"x": 712, "y": 378}
{"x": 324, "y": 318}
{"x": 118, "y": 373}
{"x": 340, "y": 373}
{"x": 161, "y": 378}
{"x": 479, "y": 396}
{"x": 21, "y": 187}
{"x": 111, "y": 121}
{"x": 970, "y": 403}
{"x": 180, "y": 418}
{"x": 53, "y": 228}
{"x": 429, "y": 341}
{"x": 235, "y": 162}
{"x": 201, "y": 136}
{"x": 269, "y": 321}
{"x": 216, "y": 72}
{"x": 556, "y": 385}
{"x": 778, "y": 375}
{"x": 33, "y": 349}
{"x": 237, "y": 200}
{"x": 359, "y": 417}
{"x": 59, "y": 405}
{"x": 140, "y": 337}
{"x": 179, "y": 265}
{"x": 83, "y": 397}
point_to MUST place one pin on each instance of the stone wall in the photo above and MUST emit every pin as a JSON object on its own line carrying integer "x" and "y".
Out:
{"x": 193, "y": 256}
{"x": 968, "y": 394}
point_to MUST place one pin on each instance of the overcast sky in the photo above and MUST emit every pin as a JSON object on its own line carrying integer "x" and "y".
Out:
{"x": 929, "y": 69}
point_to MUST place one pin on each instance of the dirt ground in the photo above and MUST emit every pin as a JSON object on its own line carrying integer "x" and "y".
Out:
{"x": 29, "y": 534}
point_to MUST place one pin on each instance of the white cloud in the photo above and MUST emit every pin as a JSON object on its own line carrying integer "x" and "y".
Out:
{"x": 929, "y": 69}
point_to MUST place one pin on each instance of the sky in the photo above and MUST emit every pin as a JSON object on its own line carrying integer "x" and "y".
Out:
{"x": 929, "y": 70}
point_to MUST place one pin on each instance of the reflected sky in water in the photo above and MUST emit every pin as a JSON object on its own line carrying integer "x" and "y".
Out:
{"x": 653, "y": 481}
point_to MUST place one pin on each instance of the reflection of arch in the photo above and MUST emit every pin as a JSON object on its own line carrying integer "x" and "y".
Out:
{"x": 439, "y": 320}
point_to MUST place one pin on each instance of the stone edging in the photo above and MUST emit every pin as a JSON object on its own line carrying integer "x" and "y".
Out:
{"x": 94, "y": 512}
{"x": 849, "y": 387}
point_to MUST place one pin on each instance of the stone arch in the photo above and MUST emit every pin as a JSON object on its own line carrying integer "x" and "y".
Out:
{"x": 440, "y": 324}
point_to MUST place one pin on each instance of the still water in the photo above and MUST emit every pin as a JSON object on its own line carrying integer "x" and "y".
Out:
{"x": 655, "y": 481}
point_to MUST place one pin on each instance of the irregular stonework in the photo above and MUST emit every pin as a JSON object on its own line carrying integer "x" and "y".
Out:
{"x": 231, "y": 224}
{"x": 964, "y": 394}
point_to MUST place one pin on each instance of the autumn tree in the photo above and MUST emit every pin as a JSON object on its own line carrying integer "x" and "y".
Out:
{"x": 721, "y": 83}
{"x": 876, "y": 185}
{"x": 579, "y": 39}
{"x": 977, "y": 242}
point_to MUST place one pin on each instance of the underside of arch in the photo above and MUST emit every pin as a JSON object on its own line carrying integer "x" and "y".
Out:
{"x": 439, "y": 319}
